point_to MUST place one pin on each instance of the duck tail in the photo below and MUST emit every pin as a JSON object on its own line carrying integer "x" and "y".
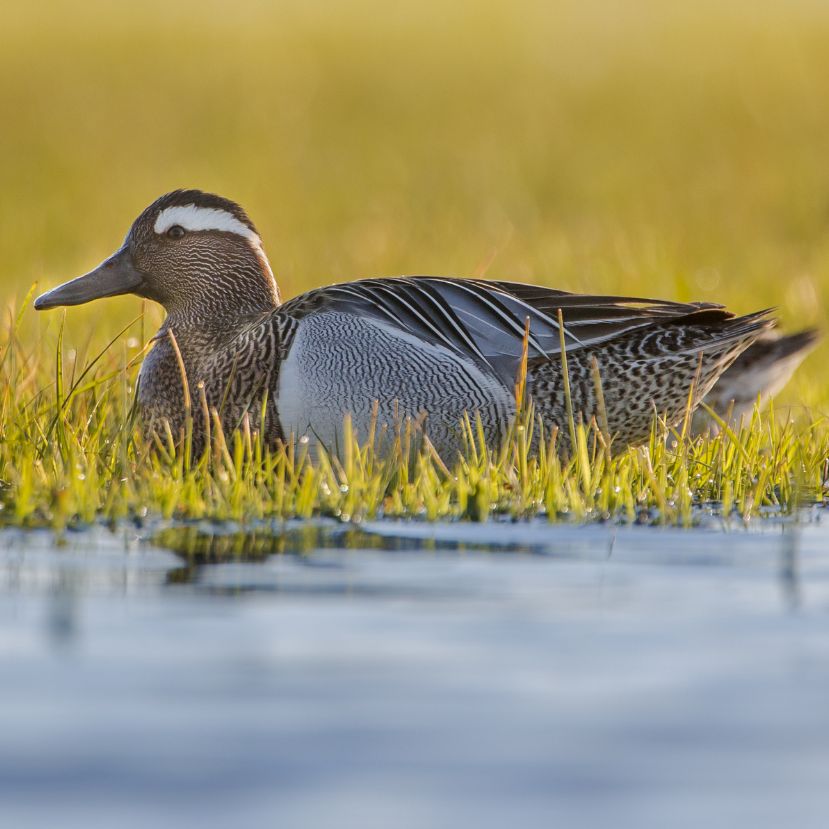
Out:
{"x": 760, "y": 371}
{"x": 723, "y": 329}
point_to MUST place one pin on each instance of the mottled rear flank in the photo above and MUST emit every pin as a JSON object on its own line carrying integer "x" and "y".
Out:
{"x": 644, "y": 374}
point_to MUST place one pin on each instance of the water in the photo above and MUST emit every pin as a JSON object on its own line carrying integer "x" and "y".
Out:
{"x": 415, "y": 676}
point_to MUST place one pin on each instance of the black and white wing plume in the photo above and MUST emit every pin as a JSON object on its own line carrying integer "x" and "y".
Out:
{"x": 485, "y": 321}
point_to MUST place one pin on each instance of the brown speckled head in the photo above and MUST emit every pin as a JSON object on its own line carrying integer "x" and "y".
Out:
{"x": 196, "y": 253}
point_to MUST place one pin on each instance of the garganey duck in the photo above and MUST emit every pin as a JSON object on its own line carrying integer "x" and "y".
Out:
{"x": 432, "y": 346}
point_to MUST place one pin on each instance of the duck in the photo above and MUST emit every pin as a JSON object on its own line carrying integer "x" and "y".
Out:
{"x": 428, "y": 349}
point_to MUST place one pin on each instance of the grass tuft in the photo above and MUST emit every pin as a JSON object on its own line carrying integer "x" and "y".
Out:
{"x": 71, "y": 455}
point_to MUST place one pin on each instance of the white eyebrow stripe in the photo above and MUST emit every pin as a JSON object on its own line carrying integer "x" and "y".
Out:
{"x": 192, "y": 217}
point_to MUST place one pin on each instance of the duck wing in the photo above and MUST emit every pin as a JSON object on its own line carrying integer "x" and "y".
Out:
{"x": 485, "y": 320}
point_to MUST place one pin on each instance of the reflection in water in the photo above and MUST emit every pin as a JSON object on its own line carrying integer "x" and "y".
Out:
{"x": 62, "y": 617}
{"x": 202, "y": 546}
{"x": 204, "y": 543}
{"x": 789, "y": 570}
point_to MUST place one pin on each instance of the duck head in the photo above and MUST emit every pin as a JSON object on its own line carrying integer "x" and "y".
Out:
{"x": 197, "y": 254}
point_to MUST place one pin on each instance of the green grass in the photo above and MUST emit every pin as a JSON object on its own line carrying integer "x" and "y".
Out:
{"x": 640, "y": 148}
{"x": 70, "y": 455}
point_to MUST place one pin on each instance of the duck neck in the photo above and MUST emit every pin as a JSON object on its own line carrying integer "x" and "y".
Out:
{"x": 211, "y": 320}
{"x": 222, "y": 304}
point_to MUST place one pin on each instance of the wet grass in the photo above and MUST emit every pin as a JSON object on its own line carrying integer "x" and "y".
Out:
{"x": 634, "y": 148}
{"x": 70, "y": 455}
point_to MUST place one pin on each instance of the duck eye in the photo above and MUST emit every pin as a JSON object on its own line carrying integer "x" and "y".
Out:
{"x": 176, "y": 232}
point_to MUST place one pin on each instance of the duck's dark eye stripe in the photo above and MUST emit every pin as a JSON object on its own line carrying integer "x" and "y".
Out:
{"x": 176, "y": 232}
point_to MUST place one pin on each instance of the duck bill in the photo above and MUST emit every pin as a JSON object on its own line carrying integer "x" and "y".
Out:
{"x": 114, "y": 276}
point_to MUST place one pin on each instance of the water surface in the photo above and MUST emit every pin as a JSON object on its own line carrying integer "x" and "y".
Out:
{"x": 410, "y": 675}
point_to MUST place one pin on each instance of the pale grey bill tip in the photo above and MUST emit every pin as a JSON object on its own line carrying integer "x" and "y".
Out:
{"x": 114, "y": 276}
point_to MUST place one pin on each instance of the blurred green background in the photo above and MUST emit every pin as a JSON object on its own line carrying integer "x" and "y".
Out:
{"x": 677, "y": 150}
